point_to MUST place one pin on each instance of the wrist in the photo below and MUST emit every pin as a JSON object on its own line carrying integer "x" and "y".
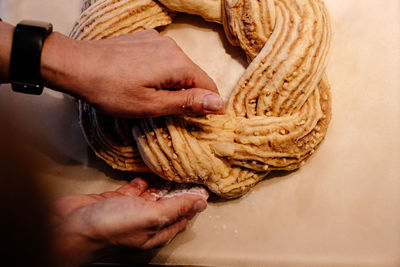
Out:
{"x": 56, "y": 66}
{"x": 73, "y": 246}
{"x": 7, "y": 32}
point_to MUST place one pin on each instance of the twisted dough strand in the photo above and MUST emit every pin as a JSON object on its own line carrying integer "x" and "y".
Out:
{"x": 276, "y": 116}
{"x": 111, "y": 138}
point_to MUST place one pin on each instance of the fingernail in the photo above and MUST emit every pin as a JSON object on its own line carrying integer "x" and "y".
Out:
{"x": 199, "y": 205}
{"x": 212, "y": 102}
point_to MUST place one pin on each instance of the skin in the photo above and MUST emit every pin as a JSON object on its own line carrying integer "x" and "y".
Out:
{"x": 87, "y": 226}
{"x": 133, "y": 76}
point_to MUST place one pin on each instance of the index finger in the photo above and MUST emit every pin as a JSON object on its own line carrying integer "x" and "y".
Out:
{"x": 194, "y": 73}
{"x": 203, "y": 80}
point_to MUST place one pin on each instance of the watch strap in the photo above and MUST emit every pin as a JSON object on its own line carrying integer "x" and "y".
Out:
{"x": 28, "y": 40}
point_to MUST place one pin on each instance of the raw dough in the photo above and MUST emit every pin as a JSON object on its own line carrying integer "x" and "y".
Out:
{"x": 276, "y": 116}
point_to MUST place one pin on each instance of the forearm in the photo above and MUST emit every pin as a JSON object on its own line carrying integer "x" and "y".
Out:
{"x": 60, "y": 64}
{"x": 124, "y": 76}
{"x": 57, "y": 57}
{"x": 6, "y": 33}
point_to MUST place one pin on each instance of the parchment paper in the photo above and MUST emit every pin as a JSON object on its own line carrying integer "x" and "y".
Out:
{"x": 340, "y": 209}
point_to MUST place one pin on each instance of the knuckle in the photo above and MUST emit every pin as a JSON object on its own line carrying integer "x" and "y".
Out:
{"x": 193, "y": 106}
{"x": 188, "y": 104}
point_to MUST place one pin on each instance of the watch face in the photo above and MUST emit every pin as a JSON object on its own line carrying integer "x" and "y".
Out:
{"x": 34, "y": 23}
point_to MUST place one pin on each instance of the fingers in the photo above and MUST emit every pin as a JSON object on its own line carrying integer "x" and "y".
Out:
{"x": 137, "y": 222}
{"x": 201, "y": 96}
{"x": 175, "y": 213}
{"x": 157, "y": 190}
{"x": 182, "y": 70}
{"x": 166, "y": 235}
{"x": 110, "y": 194}
{"x": 190, "y": 102}
{"x": 202, "y": 80}
{"x": 134, "y": 188}
{"x": 174, "y": 209}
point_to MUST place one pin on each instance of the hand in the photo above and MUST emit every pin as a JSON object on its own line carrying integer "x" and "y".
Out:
{"x": 133, "y": 216}
{"x": 135, "y": 75}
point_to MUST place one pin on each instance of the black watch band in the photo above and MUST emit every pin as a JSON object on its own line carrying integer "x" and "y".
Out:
{"x": 26, "y": 52}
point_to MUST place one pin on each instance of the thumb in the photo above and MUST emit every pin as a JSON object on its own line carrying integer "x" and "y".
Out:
{"x": 194, "y": 101}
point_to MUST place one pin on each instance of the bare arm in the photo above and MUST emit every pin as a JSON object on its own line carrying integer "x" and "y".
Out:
{"x": 135, "y": 75}
{"x": 6, "y": 33}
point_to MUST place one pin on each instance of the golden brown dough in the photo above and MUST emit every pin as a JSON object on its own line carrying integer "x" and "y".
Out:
{"x": 276, "y": 116}
{"x": 210, "y": 10}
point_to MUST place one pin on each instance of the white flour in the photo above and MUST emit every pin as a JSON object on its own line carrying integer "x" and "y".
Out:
{"x": 187, "y": 189}
{"x": 169, "y": 190}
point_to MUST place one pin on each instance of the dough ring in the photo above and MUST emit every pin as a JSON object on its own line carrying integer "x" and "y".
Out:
{"x": 276, "y": 115}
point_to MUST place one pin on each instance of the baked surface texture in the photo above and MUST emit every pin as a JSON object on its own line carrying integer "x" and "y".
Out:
{"x": 276, "y": 116}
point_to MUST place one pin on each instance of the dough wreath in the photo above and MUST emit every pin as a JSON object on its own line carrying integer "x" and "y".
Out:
{"x": 276, "y": 115}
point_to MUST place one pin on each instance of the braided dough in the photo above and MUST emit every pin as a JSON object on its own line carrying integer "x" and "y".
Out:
{"x": 276, "y": 115}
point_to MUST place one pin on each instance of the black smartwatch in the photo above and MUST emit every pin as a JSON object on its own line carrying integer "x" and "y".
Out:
{"x": 26, "y": 52}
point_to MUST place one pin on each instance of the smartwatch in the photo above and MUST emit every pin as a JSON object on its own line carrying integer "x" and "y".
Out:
{"x": 26, "y": 52}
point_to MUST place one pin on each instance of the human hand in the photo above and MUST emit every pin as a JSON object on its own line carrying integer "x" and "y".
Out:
{"x": 135, "y": 75}
{"x": 134, "y": 216}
